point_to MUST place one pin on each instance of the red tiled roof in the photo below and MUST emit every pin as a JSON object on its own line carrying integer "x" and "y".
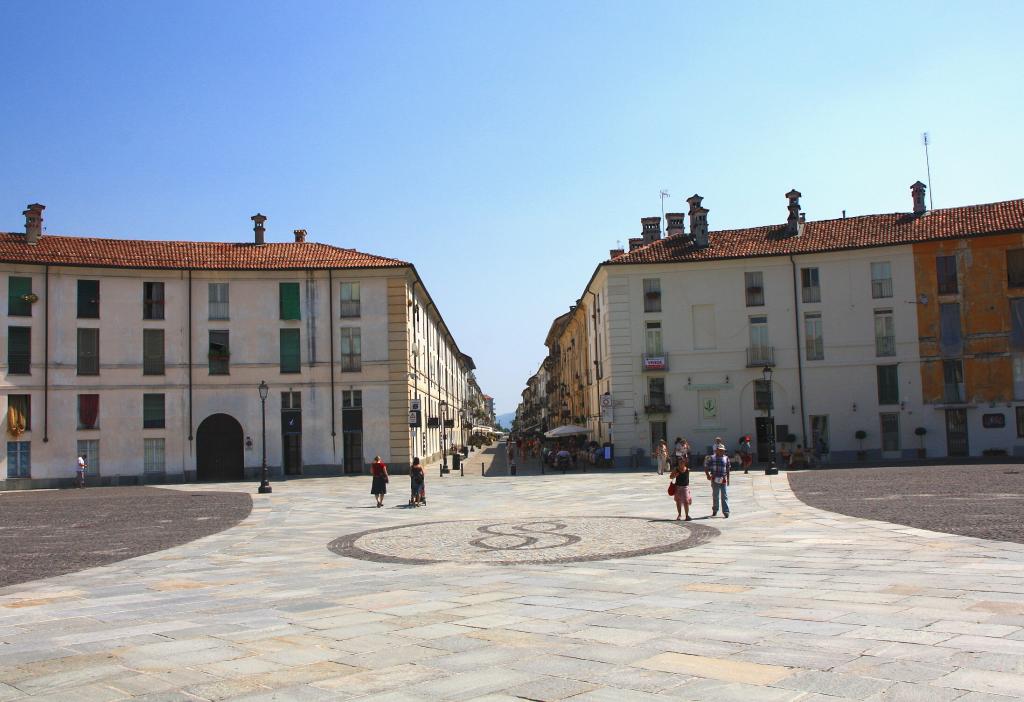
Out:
{"x": 199, "y": 255}
{"x": 837, "y": 234}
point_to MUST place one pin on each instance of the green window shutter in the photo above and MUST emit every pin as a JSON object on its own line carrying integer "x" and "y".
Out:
{"x": 152, "y": 351}
{"x": 289, "y": 300}
{"x": 290, "y": 362}
{"x": 17, "y": 288}
{"x": 153, "y": 411}
{"x": 19, "y": 350}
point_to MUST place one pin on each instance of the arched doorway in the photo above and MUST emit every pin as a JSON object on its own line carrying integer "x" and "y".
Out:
{"x": 219, "y": 448}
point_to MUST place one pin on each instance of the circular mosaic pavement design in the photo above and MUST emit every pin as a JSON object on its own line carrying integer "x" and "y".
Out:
{"x": 522, "y": 541}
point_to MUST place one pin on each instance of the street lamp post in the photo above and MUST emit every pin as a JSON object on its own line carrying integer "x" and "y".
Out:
{"x": 772, "y": 469}
{"x": 444, "y": 435}
{"x": 264, "y": 480}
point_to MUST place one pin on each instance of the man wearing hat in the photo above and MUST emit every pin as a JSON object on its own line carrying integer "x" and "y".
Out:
{"x": 716, "y": 468}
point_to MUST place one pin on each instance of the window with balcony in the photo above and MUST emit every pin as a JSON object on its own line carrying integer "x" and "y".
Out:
{"x": 289, "y": 300}
{"x": 810, "y": 286}
{"x": 350, "y": 300}
{"x": 153, "y": 411}
{"x": 754, "y": 283}
{"x": 1015, "y": 268}
{"x": 88, "y": 352}
{"x": 652, "y": 295}
{"x": 19, "y": 350}
{"x": 888, "y": 385}
{"x": 885, "y": 333}
{"x": 946, "y": 275}
{"x": 652, "y": 342}
{"x": 657, "y": 400}
{"x": 18, "y": 301}
{"x": 88, "y": 299}
{"x": 290, "y": 351}
{"x": 881, "y": 279}
{"x": 152, "y": 300}
{"x": 813, "y": 340}
{"x": 219, "y": 356}
{"x": 351, "y": 349}
{"x": 759, "y": 353}
{"x": 953, "y": 380}
{"x": 950, "y": 339}
{"x": 152, "y": 351}
{"x": 219, "y": 307}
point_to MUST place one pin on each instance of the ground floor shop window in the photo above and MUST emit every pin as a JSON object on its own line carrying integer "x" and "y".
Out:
{"x": 19, "y": 459}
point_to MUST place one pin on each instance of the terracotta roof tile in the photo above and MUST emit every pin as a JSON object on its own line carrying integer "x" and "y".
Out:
{"x": 837, "y": 234}
{"x": 199, "y": 255}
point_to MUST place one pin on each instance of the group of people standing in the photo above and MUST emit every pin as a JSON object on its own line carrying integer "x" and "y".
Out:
{"x": 716, "y": 469}
{"x": 417, "y": 482}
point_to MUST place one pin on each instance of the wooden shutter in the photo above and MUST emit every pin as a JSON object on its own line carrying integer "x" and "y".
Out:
{"x": 290, "y": 362}
{"x": 289, "y": 293}
{"x": 17, "y": 288}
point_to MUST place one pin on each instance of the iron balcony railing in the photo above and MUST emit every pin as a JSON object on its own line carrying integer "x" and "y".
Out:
{"x": 885, "y": 345}
{"x": 881, "y": 288}
{"x": 657, "y": 403}
{"x": 760, "y": 356}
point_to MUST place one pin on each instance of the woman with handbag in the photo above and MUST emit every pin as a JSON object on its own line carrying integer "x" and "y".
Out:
{"x": 379, "y": 488}
{"x": 679, "y": 488}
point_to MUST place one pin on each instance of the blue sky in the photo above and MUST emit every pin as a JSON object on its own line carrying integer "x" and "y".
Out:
{"x": 501, "y": 147}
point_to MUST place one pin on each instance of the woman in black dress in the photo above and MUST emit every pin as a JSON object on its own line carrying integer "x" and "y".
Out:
{"x": 416, "y": 482}
{"x": 380, "y": 480}
{"x": 680, "y": 475}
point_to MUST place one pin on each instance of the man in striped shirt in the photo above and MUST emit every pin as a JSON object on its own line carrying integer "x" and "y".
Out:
{"x": 717, "y": 468}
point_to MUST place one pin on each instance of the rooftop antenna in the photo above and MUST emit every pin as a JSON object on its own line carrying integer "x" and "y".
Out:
{"x": 663, "y": 194}
{"x": 925, "y": 140}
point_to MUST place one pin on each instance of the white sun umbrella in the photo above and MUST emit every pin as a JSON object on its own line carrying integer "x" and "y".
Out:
{"x": 567, "y": 430}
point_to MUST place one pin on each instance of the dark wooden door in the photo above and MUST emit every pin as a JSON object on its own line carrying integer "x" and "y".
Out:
{"x": 352, "y": 439}
{"x": 763, "y": 429}
{"x": 956, "y": 433}
{"x": 219, "y": 446}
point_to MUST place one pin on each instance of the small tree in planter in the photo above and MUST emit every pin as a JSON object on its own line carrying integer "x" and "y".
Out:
{"x": 921, "y": 431}
{"x": 860, "y": 435}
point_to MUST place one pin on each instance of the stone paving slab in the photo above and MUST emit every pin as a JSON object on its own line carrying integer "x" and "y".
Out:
{"x": 781, "y": 602}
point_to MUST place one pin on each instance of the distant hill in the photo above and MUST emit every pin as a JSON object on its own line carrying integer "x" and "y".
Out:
{"x": 505, "y": 420}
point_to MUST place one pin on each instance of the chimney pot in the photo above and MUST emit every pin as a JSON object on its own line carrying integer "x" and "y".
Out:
{"x": 917, "y": 193}
{"x": 258, "y": 227}
{"x": 793, "y": 221}
{"x": 300, "y": 236}
{"x": 34, "y": 223}
{"x": 698, "y": 221}
{"x": 650, "y": 229}
{"x": 615, "y": 253}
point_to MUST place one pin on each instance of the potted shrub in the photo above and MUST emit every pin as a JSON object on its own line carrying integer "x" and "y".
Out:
{"x": 920, "y": 432}
{"x": 860, "y": 435}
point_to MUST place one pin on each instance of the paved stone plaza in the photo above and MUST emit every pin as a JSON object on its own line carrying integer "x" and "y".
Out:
{"x": 780, "y": 602}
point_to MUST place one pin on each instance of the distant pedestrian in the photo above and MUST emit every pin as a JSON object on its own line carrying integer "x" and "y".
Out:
{"x": 379, "y": 471}
{"x": 680, "y": 478}
{"x": 821, "y": 450}
{"x": 661, "y": 454}
{"x": 83, "y": 465}
{"x": 416, "y": 482}
{"x": 716, "y": 468}
{"x": 746, "y": 453}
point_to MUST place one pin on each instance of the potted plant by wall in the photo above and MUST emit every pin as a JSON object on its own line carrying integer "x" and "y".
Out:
{"x": 860, "y": 435}
{"x": 921, "y": 431}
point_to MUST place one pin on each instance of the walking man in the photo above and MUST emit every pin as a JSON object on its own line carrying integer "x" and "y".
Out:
{"x": 80, "y": 472}
{"x": 716, "y": 468}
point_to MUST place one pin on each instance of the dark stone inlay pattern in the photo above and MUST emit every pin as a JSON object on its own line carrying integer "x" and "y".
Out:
{"x": 521, "y": 541}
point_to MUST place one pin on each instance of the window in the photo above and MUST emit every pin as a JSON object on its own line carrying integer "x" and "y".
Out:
{"x": 19, "y": 458}
{"x": 350, "y": 298}
{"x": 885, "y": 333}
{"x": 760, "y": 352}
{"x": 659, "y": 432}
{"x": 950, "y": 340}
{"x": 762, "y": 395}
{"x": 220, "y": 352}
{"x": 810, "y": 287}
{"x": 890, "y": 424}
{"x": 1020, "y": 425}
{"x": 653, "y": 339}
{"x": 291, "y": 400}
{"x": 656, "y": 392}
{"x": 953, "y": 380}
{"x": 1015, "y": 268}
{"x": 290, "y": 351}
{"x": 88, "y": 351}
{"x": 18, "y": 290}
{"x": 152, "y": 300}
{"x": 351, "y": 399}
{"x": 351, "y": 349}
{"x": 19, "y": 414}
{"x": 88, "y": 411}
{"x": 152, "y": 351}
{"x": 19, "y": 350}
{"x": 945, "y": 275}
{"x": 90, "y": 448}
{"x": 154, "y": 453}
{"x": 88, "y": 299}
{"x": 881, "y": 279}
{"x": 754, "y": 283}
{"x": 888, "y": 385}
{"x": 153, "y": 411}
{"x": 652, "y": 295}
{"x": 218, "y": 300}
{"x": 289, "y": 298}
{"x": 813, "y": 339}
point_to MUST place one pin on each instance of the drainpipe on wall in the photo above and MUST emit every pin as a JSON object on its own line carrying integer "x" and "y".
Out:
{"x": 46, "y": 354}
{"x": 190, "y": 437}
{"x": 799, "y": 356}
{"x": 330, "y": 297}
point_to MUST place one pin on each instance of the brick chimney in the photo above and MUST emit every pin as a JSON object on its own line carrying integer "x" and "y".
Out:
{"x": 615, "y": 253}
{"x": 650, "y": 229}
{"x": 300, "y": 236}
{"x": 793, "y": 221}
{"x": 698, "y": 221}
{"x": 258, "y": 228}
{"x": 676, "y": 224}
{"x": 917, "y": 192}
{"x": 34, "y": 223}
